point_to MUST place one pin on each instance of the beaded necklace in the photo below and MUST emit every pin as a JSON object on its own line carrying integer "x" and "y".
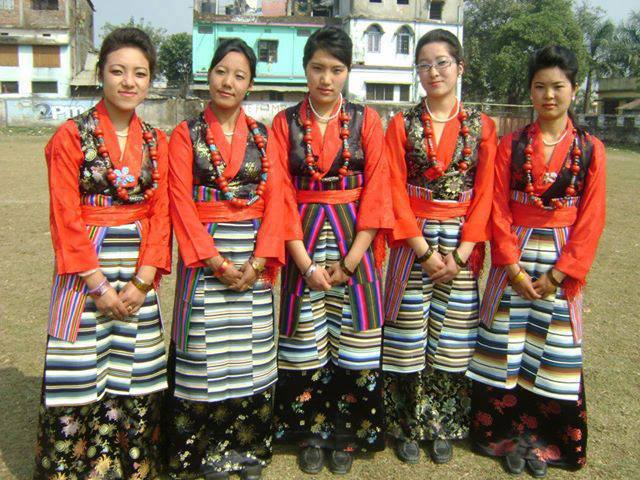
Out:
{"x": 120, "y": 179}
{"x": 218, "y": 163}
{"x": 570, "y": 191}
{"x": 434, "y": 170}
{"x": 310, "y": 159}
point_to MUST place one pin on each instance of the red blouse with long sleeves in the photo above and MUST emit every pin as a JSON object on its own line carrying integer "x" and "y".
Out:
{"x": 74, "y": 250}
{"x": 194, "y": 241}
{"x": 577, "y": 255}
{"x": 476, "y": 225}
{"x": 375, "y": 209}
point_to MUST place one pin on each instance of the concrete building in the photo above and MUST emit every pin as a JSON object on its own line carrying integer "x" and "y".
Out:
{"x": 277, "y": 39}
{"x": 616, "y": 94}
{"x": 384, "y": 34}
{"x": 43, "y": 44}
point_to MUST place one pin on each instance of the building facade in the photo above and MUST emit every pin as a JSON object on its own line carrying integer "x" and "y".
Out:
{"x": 384, "y": 34}
{"x": 43, "y": 44}
{"x": 278, "y": 40}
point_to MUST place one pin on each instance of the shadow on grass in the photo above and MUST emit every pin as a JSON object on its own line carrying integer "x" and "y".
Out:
{"x": 19, "y": 401}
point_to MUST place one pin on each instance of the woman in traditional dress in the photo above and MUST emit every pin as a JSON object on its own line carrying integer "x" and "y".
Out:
{"x": 548, "y": 214}
{"x": 329, "y": 394}
{"x": 105, "y": 361}
{"x": 442, "y": 156}
{"x": 227, "y": 208}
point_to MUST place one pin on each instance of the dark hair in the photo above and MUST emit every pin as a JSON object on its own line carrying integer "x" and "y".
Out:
{"x": 554, "y": 56}
{"x": 333, "y": 41}
{"x": 238, "y": 45}
{"x": 127, "y": 37}
{"x": 444, "y": 36}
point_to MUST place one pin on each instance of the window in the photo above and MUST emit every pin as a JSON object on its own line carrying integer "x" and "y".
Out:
{"x": 373, "y": 35}
{"x": 205, "y": 29}
{"x": 435, "y": 10}
{"x": 9, "y": 87}
{"x": 403, "y": 2}
{"x": 6, "y": 4}
{"x": 375, "y": 1}
{"x": 9, "y": 56}
{"x": 404, "y": 92}
{"x": 268, "y": 51}
{"x": 208, "y": 6}
{"x": 47, "y": 56}
{"x": 44, "y": 87}
{"x": 380, "y": 92}
{"x": 44, "y": 4}
{"x": 403, "y": 41}
{"x": 276, "y": 96}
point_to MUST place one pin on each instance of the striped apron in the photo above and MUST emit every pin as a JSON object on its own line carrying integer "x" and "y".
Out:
{"x": 108, "y": 355}
{"x": 534, "y": 344}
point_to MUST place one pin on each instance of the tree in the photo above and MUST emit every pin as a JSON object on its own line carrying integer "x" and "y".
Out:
{"x": 156, "y": 34}
{"x": 175, "y": 61}
{"x": 598, "y": 33}
{"x": 501, "y": 35}
{"x": 624, "y": 52}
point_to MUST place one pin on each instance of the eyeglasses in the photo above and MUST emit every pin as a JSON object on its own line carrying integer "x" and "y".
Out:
{"x": 439, "y": 65}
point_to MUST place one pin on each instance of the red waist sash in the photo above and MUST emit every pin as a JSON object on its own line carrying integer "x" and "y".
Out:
{"x": 438, "y": 210}
{"x": 536, "y": 217}
{"x": 114, "y": 215}
{"x": 332, "y": 197}
{"x": 225, "y": 211}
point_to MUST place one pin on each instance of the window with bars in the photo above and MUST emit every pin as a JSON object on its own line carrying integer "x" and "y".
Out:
{"x": 268, "y": 51}
{"x": 9, "y": 56}
{"x": 381, "y": 92}
{"x": 405, "y": 91}
{"x": 44, "y": 4}
{"x": 46, "y": 56}
{"x": 435, "y": 10}
{"x": 6, "y": 4}
{"x": 44, "y": 87}
{"x": 208, "y": 6}
{"x": 373, "y": 35}
{"x": 403, "y": 41}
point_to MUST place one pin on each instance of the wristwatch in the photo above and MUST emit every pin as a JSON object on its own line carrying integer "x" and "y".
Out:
{"x": 257, "y": 265}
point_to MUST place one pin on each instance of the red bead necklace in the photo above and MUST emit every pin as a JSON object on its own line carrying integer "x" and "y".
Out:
{"x": 119, "y": 179}
{"x": 310, "y": 159}
{"x": 434, "y": 169}
{"x": 570, "y": 191}
{"x": 218, "y": 162}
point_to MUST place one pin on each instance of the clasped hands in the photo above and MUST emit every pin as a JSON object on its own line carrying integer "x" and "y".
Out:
{"x": 529, "y": 288}
{"x": 441, "y": 269}
{"x": 237, "y": 279}
{"x": 322, "y": 279}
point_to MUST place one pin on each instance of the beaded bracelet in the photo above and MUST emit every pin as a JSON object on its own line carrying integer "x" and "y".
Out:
{"x": 425, "y": 256}
{"x": 458, "y": 260}
{"x": 350, "y": 273}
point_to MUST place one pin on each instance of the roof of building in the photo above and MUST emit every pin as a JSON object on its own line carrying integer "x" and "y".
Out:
{"x": 199, "y": 18}
{"x": 632, "y": 105}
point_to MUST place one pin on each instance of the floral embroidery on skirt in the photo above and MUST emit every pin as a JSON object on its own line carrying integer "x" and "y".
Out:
{"x": 117, "y": 437}
{"x": 225, "y": 436}
{"x": 330, "y": 407}
{"x": 427, "y": 405}
{"x": 552, "y": 430}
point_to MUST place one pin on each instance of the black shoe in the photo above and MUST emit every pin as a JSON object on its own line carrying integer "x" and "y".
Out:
{"x": 311, "y": 460}
{"x": 408, "y": 451}
{"x": 514, "y": 463}
{"x": 538, "y": 468}
{"x": 441, "y": 450}
{"x": 340, "y": 462}
{"x": 216, "y": 476}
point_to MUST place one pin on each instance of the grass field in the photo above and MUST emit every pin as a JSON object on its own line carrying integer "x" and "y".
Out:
{"x": 612, "y": 304}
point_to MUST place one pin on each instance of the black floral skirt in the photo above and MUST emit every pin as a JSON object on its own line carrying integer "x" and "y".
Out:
{"x": 427, "y": 405}
{"x": 117, "y": 437}
{"x": 330, "y": 407}
{"x": 225, "y": 436}
{"x": 551, "y": 430}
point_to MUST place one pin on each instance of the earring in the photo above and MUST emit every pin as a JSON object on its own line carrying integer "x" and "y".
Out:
{"x": 246, "y": 95}
{"x": 573, "y": 99}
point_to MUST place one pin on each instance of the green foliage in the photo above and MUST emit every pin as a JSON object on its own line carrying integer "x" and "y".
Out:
{"x": 624, "y": 52}
{"x": 156, "y": 34}
{"x": 175, "y": 60}
{"x": 501, "y": 35}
